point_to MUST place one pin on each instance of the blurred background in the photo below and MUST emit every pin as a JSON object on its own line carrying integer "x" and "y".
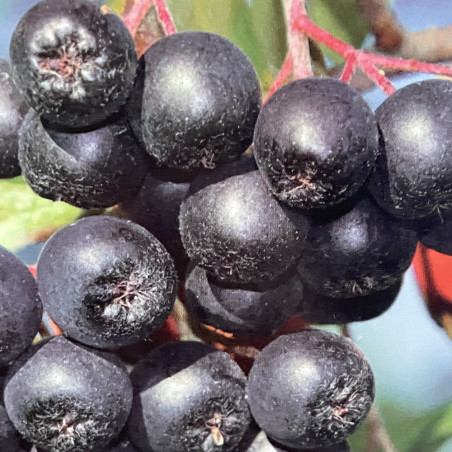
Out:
{"x": 410, "y": 354}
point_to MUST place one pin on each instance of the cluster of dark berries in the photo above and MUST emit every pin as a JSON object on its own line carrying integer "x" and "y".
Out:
{"x": 308, "y": 205}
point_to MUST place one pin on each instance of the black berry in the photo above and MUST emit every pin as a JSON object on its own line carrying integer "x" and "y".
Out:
{"x": 21, "y": 309}
{"x": 62, "y": 397}
{"x": 315, "y": 142}
{"x": 200, "y": 100}
{"x": 91, "y": 168}
{"x": 106, "y": 282}
{"x": 72, "y": 64}
{"x": 238, "y": 232}
{"x": 356, "y": 249}
{"x": 310, "y": 389}
{"x": 188, "y": 397}
{"x": 12, "y": 112}
{"x": 413, "y": 174}
{"x": 241, "y": 311}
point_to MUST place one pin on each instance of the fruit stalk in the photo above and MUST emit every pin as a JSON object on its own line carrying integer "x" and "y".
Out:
{"x": 134, "y": 17}
{"x": 354, "y": 58}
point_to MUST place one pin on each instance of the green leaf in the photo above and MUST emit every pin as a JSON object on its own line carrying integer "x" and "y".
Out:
{"x": 342, "y": 19}
{"x": 409, "y": 432}
{"x": 431, "y": 431}
{"x": 256, "y": 26}
{"x": 26, "y": 218}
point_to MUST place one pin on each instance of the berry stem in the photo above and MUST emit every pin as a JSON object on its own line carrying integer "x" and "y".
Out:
{"x": 140, "y": 8}
{"x": 298, "y": 41}
{"x": 165, "y": 17}
{"x": 136, "y": 15}
{"x": 282, "y": 76}
{"x": 298, "y": 62}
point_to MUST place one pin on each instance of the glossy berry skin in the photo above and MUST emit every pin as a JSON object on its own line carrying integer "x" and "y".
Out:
{"x": 91, "y": 168}
{"x": 12, "y": 112}
{"x": 310, "y": 389}
{"x": 413, "y": 174}
{"x": 63, "y": 397}
{"x": 200, "y": 101}
{"x": 156, "y": 207}
{"x": 356, "y": 249}
{"x": 238, "y": 232}
{"x": 320, "y": 309}
{"x": 21, "y": 309}
{"x": 188, "y": 397}
{"x": 72, "y": 64}
{"x": 315, "y": 142}
{"x": 241, "y": 311}
{"x": 106, "y": 282}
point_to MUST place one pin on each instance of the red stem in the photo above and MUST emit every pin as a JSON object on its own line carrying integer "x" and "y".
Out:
{"x": 282, "y": 76}
{"x": 358, "y": 58}
{"x": 165, "y": 17}
{"x": 136, "y": 15}
{"x": 349, "y": 69}
{"x": 376, "y": 76}
{"x": 298, "y": 41}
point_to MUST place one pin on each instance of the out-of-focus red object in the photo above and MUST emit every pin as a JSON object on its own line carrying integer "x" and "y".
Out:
{"x": 434, "y": 275}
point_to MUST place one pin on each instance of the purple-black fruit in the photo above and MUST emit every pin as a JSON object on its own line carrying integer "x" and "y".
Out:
{"x": 316, "y": 308}
{"x": 413, "y": 173}
{"x": 200, "y": 100}
{"x": 12, "y": 112}
{"x": 21, "y": 309}
{"x": 65, "y": 398}
{"x": 315, "y": 142}
{"x": 188, "y": 397}
{"x": 72, "y": 64}
{"x": 91, "y": 168}
{"x": 238, "y": 310}
{"x": 310, "y": 389}
{"x": 356, "y": 249}
{"x": 239, "y": 233}
{"x": 106, "y": 282}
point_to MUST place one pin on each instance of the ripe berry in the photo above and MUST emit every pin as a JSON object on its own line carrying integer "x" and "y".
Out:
{"x": 72, "y": 64}
{"x": 156, "y": 207}
{"x": 188, "y": 397}
{"x": 310, "y": 389}
{"x": 12, "y": 112}
{"x": 413, "y": 174}
{"x": 241, "y": 311}
{"x": 315, "y": 142}
{"x": 21, "y": 309}
{"x": 200, "y": 100}
{"x": 91, "y": 168}
{"x": 62, "y": 397}
{"x": 315, "y": 308}
{"x": 106, "y": 282}
{"x": 238, "y": 232}
{"x": 355, "y": 249}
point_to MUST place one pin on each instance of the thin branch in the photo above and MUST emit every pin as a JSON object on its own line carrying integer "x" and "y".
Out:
{"x": 136, "y": 14}
{"x": 378, "y": 78}
{"x": 282, "y": 76}
{"x": 379, "y": 436}
{"x": 364, "y": 60}
{"x": 349, "y": 69}
{"x": 165, "y": 17}
{"x": 297, "y": 40}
